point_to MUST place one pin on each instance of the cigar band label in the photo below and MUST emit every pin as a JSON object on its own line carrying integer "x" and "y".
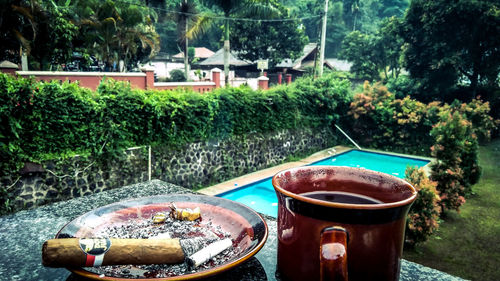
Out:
{"x": 94, "y": 250}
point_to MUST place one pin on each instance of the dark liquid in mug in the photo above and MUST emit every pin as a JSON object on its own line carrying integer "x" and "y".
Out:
{"x": 341, "y": 197}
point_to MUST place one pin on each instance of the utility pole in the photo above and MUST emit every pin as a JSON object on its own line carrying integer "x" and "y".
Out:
{"x": 186, "y": 44}
{"x": 322, "y": 47}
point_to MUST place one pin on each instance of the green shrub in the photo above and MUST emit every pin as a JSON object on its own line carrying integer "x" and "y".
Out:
{"x": 177, "y": 75}
{"x": 380, "y": 120}
{"x": 453, "y": 140}
{"x": 372, "y": 116}
{"x": 59, "y": 120}
{"x": 16, "y": 100}
{"x": 384, "y": 122}
{"x": 448, "y": 132}
{"x": 450, "y": 187}
{"x": 470, "y": 164}
{"x": 423, "y": 217}
{"x": 322, "y": 100}
{"x": 124, "y": 117}
{"x": 181, "y": 116}
{"x": 477, "y": 112}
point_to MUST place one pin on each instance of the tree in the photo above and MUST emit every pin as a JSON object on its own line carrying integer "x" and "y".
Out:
{"x": 311, "y": 11}
{"x": 184, "y": 18}
{"x": 53, "y": 44}
{"x": 451, "y": 43}
{"x": 168, "y": 29}
{"x": 388, "y": 49}
{"x": 17, "y": 27}
{"x": 114, "y": 31}
{"x": 230, "y": 8}
{"x": 351, "y": 13}
{"x": 336, "y": 30}
{"x": 344, "y": 16}
{"x": 358, "y": 48}
{"x": 275, "y": 40}
{"x": 372, "y": 54}
{"x": 138, "y": 39}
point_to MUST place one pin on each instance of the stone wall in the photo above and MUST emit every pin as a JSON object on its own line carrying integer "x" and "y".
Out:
{"x": 193, "y": 166}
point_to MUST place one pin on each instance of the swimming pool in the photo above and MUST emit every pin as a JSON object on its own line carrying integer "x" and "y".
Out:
{"x": 261, "y": 197}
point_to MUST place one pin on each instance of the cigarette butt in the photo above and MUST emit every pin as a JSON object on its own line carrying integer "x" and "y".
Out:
{"x": 208, "y": 252}
{"x": 185, "y": 214}
{"x": 164, "y": 235}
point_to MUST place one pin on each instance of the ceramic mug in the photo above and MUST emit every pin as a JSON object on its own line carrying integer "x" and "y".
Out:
{"x": 340, "y": 223}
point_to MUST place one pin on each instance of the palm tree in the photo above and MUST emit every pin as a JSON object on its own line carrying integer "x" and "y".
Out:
{"x": 98, "y": 27}
{"x": 184, "y": 17}
{"x": 230, "y": 10}
{"x": 135, "y": 30}
{"x": 116, "y": 30}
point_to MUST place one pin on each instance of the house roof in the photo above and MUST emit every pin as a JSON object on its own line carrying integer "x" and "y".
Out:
{"x": 8, "y": 64}
{"x": 201, "y": 53}
{"x": 339, "y": 65}
{"x": 296, "y": 64}
{"x": 218, "y": 59}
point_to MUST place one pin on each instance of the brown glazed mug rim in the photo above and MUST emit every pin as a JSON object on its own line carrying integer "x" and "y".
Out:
{"x": 378, "y": 206}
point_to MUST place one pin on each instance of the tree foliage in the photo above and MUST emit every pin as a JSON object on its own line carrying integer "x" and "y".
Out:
{"x": 18, "y": 27}
{"x": 358, "y": 48}
{"x": 258, "y": 9}
{"x": 373, "y": 54}
{"x": 184, "y": 17}
{"x": 344, "y": 17}
{"x": 168, "y": 29}
{"x": 392, "y": 8}
{"x": 50, "y": 31}
{"x": 116, "y": 31}
{"x": 276, "y": 41}
{"x": 451, "y": 43}
{"x": 53, "y": 45}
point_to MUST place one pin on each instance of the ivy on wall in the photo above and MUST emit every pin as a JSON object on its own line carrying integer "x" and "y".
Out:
{"x": 49, "y": 120}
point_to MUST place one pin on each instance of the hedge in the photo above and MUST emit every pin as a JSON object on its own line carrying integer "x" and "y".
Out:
{"x": 50, "y": 120}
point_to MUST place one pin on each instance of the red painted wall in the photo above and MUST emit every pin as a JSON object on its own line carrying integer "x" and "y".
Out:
{"x": 89, "y": 80}
{"x": 138, "y": 80}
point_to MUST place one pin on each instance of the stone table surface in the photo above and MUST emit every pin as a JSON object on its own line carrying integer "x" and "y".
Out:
{"x": 23, "y": 233}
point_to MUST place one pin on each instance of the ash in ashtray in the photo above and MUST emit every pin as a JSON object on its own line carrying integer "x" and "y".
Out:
{"x": 168, "y": 228}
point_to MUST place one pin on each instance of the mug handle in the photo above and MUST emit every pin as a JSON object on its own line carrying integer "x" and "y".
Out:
{"x": 333, "y": 254}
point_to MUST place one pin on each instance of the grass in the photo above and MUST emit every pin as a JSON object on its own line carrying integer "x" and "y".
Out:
{"x": 467, "y": 244}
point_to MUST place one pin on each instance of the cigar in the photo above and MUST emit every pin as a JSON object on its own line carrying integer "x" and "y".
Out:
{"x": 89, "y": 252}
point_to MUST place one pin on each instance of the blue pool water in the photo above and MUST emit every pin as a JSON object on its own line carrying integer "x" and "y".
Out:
{"x": 261, "y": 197}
